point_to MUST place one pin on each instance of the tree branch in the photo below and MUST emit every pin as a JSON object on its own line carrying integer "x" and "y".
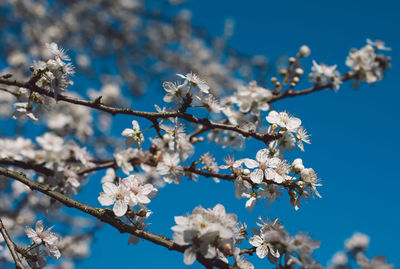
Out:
{"x": 315, "y": 88}
{"x": 11, "y": 246}
{"x": 95, "y": 104}
{"x": 108, "y": 217}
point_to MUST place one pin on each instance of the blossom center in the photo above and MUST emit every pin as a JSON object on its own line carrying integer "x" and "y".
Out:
{"x": 119, "y": 196}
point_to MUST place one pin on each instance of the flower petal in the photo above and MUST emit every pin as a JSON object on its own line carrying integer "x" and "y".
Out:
{"x": 189, "y": 256}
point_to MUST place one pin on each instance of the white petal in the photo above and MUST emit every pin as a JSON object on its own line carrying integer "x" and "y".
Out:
{"x": 143, "y": 199}
{"x": 278, "y": 178}
{"x": 146, "y": 189}
{"x": 105, "y": 199}
{"x": 211, "y": 252}
{"x": 251, "y": 203}
{"x": 181, "y": 220}
{"x": 120, "y": 208}
{"x": 257, "y": 176}
{"x": 135, "y": 125}
{"x": 51, "y": 239}
{"x": 274, "y": 252}
{"x": 250, "y": 163}
{"x": 53, "y": 250}
{"x": 256, "y": 241}
{"x": 127, "y": 132}
{"x": 110, "y": 188}
{"x": 169, "y": 86}
{"x": 182, "y": 76}
{"x": 262, "y": 251}
{"x": 30, "y": 232}
{"x": 168, "y": 98}
{"x": 219, "y": 210}
{"x": 294, "y": 123}
{"x": 39, "y": 226}
{"x": 262, "y": 155}
{"x": 189, "y": 256}
{"x": 273, "y": 117}
{"x": 270, "y": 174}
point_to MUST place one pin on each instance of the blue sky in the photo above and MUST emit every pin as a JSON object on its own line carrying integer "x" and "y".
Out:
{"x": 354, "y": 134}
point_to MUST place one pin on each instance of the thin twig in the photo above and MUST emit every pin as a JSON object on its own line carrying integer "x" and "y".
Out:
{"x": 315, "y": 88}
{"x": 11, "y": 246}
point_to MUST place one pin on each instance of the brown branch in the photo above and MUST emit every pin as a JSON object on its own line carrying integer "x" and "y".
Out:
{"x": 203, "y": 129}
{"x": 152, "y": 116}
{"x": 109, "y": 163}
{"x": 106, "y": 216}
{"x": 28, "y": 165}
{"x": 315, "y": 88}
{"x": 11, "y": 246}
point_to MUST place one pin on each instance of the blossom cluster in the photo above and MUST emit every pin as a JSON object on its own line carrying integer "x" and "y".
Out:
{"x": 40, "y": 236}
{"x": 273, "y": 241}
{"x": 65, "y": 159}
{"x": 55, "y": 73}
{"x": 208, "y": 232}
{"x": 323, "y": 74}
{"x": 269, "y": 174}
{"x": 366, "y": 65}
{"x": 129, "y": 192}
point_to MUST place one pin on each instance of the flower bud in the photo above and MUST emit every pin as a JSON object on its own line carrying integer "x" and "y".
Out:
{"x": 299, "y": 71}
{"x": 304, "y": 51}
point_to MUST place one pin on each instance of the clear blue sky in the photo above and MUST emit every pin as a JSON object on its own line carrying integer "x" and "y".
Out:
{"x": 354, "y": 134}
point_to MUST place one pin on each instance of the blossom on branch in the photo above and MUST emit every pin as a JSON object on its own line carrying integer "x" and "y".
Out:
{"x": 323, "y": 74}
{"x": 210, "y": 232}
{"x": 46, "y": 237}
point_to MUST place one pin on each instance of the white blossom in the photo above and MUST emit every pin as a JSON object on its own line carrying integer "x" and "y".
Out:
{"x": 139, "y": 192}
{"x": 46, "y": 237}
{"x": 210, "y": 231}
{"x": 117, "y": 195}
{"x": 357, "y": 242}
{"x": 323, "y": 74}
{"x": 283, "y": 120}
{"x": 134, "y": 135}
{"x": 194, "y": 80}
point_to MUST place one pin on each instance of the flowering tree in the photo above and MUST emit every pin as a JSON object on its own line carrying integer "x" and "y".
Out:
{"x": 216, "y": 101}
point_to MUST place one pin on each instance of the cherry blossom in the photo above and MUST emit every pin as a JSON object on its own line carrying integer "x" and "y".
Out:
{"x": 134, "y": 135}
{"x": 46, "y": 237}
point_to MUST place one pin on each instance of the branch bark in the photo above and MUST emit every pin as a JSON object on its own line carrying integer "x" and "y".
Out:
{"x": 11, "y": 246}
{"x": 108, "y": 217}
